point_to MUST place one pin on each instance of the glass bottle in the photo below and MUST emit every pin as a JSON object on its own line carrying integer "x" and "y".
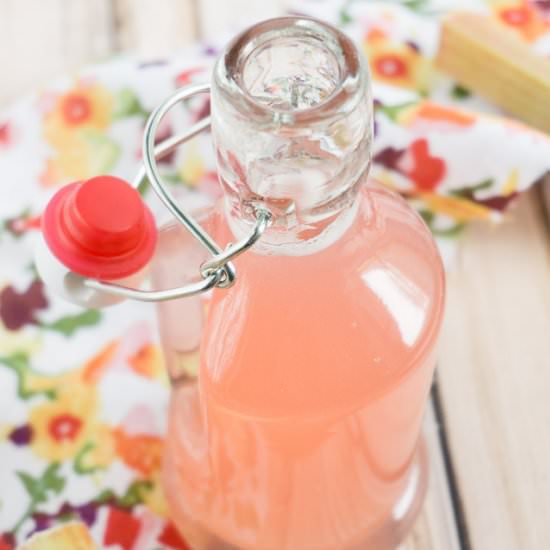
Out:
{"x": 299, "y": 392}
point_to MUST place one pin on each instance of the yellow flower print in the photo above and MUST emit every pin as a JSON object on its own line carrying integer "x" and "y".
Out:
{"x": 511, "y": 184}
{"x": 460, "y": 210}
{"x": 99, "y": 450}
{"x": 61, "y": 427}
{"x": 88, "y": 107}
{"x": 67, "y": 426}
{"x": 12, "y": 342}
{"x": 397, "y": 64}
{"x": 521, "y": 16}
{"x": 148, "y": 362}
{"x": 154, "y": 499}
{"x": 75, "y": 128}
{"x": 85, "y": 154}
{"x": 192, "y": 170}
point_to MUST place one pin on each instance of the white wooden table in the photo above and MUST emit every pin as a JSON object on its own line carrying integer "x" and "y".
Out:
{"x": 488, "y": 426}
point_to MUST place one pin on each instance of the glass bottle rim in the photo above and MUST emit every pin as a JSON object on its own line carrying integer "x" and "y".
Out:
{"x": 351, "y": 87}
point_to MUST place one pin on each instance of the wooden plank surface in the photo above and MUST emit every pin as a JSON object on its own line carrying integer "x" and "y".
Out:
{"x": 494, "y": 377}
{"x": 40, "y": 39}
{"x": 155, "y": 28}
{"x": 436, "y": 527}
{"x": 216, "y": 17}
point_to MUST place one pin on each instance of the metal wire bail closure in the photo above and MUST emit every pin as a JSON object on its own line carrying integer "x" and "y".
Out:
{"x": 218, "y": 271}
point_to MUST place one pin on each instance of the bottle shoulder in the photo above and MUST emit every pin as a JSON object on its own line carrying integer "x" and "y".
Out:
{"x": 344, "y": 322}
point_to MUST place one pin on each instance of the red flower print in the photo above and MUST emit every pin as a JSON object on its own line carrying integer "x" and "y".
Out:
{"x": 19, "y": 309}
{"x": 122, "y": 529}
{"x": 7, "y": 541}
{"x": 5, "y": 134}
{"x": 391, "y": 66}
{"x": 19, "y": 226}
{"x": 76, "y": 109}
{"x": 416, "y": 163}
{"x": 170, "y": 537}
{"x": 185, "y": 77}
{"x": 427, "y": 171}
{"x": 516, "y": 16}
{"x": 527, "y": 18}
{"x": 64, "y": 427}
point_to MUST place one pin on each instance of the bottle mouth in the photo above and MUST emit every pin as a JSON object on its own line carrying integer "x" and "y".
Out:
{"x": 291, "y": 70}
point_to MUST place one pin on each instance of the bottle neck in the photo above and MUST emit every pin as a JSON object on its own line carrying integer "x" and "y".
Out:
{"x": 292, "y": 127}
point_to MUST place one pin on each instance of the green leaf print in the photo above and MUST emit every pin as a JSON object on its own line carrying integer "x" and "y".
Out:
{"x": 32, "y": 486}
{"x": 419, "y": 6}
{"x": 39, "y": 489}
{"x": 345, "y": 17}
{"x": 133, "y": 496}
{"x": 469, "y": 190}
{"x": 105, "y": 151}
{"x": 450, "y": 233}
{"x": 460, "y": 92}
{"x": 127, "y": 104}
{"x": 19, "y": 363}
{"x": 70, "y": 324}
{"x": 393, "y": 111}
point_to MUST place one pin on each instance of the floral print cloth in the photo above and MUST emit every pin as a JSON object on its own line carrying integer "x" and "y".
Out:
{"x": 73, "y": 444}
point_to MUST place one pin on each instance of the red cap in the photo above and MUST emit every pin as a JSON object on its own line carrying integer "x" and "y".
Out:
{"x": 100, "y": 228}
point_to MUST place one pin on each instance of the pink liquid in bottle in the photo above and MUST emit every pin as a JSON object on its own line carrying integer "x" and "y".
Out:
{"x": 299, "y": 392}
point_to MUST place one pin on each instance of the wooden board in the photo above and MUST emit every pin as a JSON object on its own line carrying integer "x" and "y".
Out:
{"x": 436, "y": 527}
{"x": 494, "y": 376}
{"x": 40, "y": 39}
{"x": 155, "y": 29}
{"x": 217, "y": 17}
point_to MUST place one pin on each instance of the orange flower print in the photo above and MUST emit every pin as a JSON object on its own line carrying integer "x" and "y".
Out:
{"x": 147, "y": 361}
{"x": 82, "y": 107}
{"x": 75, "y": 128}
{"x": 523, "y": 17}
{"x": 435, "y": 115}
{"x": 140, "y": 452}
{"x": 398, "y": 64}
{"x": 5, "y": 134}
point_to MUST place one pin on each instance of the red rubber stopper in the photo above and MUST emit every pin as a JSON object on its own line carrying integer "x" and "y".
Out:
{"x": 100, "y": 228}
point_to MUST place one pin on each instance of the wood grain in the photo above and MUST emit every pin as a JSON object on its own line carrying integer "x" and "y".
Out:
{"x": 435, "y": 528}
{"x": 218, "y": 17}
{"x": 154, "y": 29}
{"x": 495, "y": 379}
{"x": 40, "y": 39}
